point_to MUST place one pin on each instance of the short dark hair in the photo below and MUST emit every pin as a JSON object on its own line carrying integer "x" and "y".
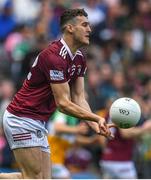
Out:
{"x": 70, "y": 14}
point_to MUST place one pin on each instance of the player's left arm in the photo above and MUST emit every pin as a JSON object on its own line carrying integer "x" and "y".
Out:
{"x": 78, "y": 93}
{"x": 78, "y": 96}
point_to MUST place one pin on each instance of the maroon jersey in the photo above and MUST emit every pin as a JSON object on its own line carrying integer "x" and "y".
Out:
{"x": 55, "y": 64}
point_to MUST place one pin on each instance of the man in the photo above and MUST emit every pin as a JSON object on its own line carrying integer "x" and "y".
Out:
{"x": 55, "y": 80}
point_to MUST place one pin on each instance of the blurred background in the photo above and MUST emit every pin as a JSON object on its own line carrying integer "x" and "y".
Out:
{"x": 118, "y": 60}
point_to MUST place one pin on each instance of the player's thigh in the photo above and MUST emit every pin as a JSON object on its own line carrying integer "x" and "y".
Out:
{"x": 46, "y": 165}
{"x": 29, "y": 161}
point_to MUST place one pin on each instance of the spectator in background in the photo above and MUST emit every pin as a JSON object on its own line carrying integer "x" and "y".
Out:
{"x": 144, "y": 14}
{"x": 43, "y": 20}
{"x": 54, "y": 30}
{"x": 6, "y": 156}
{"x": 96, "y": 14}
{"x": 143, "y": 155}
{"x": 3, "y": 143}
{"x": 68, "y": 132}
{"x": 94, "y": 80}
{"x": 29, "y": 58}
{"x": 7, "y": 91}
{"x": 7, "y": 20}
{"x": 17, "y": 45}
{"x": 78, "y": 161}
{"x": 116, "y": 160}
{"x": 20, "y": 8}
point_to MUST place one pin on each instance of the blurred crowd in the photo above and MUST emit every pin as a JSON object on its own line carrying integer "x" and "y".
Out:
{"x": 118, "y": 60}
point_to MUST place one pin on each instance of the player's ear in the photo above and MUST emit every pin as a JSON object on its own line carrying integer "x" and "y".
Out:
{"x": 69, "y": 28}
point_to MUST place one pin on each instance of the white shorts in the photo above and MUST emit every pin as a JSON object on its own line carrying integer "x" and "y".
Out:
{"x": 118, "y": 169}
{"x": 24, "y": 132}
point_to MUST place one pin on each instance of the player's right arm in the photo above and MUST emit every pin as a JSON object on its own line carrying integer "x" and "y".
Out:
{"x": 62, "y": 97}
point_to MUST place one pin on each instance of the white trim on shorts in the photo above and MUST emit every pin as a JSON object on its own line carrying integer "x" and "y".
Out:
{"x": 24, "y": 132}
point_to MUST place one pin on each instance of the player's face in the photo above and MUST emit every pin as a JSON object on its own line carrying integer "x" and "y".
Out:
{"x": 81, "y": 30}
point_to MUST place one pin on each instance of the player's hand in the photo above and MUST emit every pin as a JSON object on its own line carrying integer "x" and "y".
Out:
{"x": 105, "y": 128}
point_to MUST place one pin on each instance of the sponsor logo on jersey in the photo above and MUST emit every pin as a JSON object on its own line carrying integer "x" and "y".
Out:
{"x": 56, "y": 75}
{"x": 79, "y": 69}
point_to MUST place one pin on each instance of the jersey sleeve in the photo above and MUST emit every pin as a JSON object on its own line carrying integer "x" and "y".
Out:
{"x": 53, "y": 67}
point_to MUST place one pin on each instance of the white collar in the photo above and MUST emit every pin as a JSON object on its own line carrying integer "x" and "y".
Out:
{"x": 68, "y": 49}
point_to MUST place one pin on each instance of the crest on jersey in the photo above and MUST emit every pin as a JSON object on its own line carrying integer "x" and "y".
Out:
{"x": 56, "y": 75}
{"x": 79, "y": 69}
